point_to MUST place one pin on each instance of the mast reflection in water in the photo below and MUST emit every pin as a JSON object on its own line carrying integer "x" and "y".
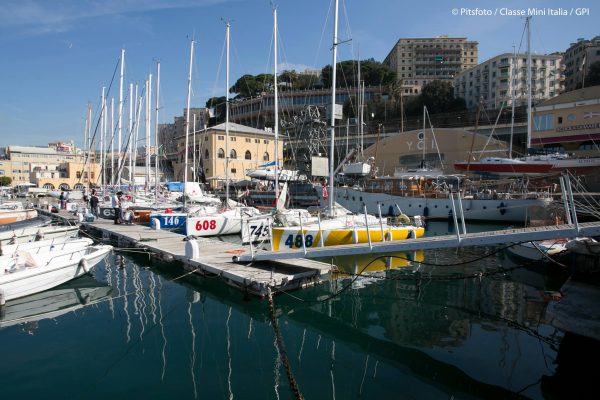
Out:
{"x": 408, "y": 330}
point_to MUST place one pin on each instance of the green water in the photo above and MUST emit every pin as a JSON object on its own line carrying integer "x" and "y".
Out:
{"x": 139, "y": 331}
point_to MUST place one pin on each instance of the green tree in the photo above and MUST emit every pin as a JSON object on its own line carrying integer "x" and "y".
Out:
{"x": 437, "y": 96}
{"x": 219, "y": 105}
{"x": 5, "y": 180}
{"x": 593, "y": 76}
{"x": 373, "y": 73}
{"x": 249, "y": 85}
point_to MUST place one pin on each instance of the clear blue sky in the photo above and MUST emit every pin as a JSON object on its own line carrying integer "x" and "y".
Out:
{"x": 55, "y": 55}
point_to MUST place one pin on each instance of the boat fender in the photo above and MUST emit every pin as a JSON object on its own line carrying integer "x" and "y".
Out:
{"x": 155, "y": 224}
{"x": 389, "y": 236}
{"x": 354, "y": 236}
{"x": 2, "y": 297}
{"x": 38, "y": 236}
{"x": 412, "y": 234}
{"x": 192, "y": 250}
{"x": 502, "y": 208}
{"x": 84, "y": 264}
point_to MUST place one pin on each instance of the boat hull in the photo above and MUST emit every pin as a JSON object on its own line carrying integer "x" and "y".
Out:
{"x": 36, "y": 233}
{"x": 500, "y": 210}
{"x": 291, "y": 237}
{"x": 30, "y": 280}
{"x": 502, "y": 169}
{"x": 10, "y": 217}
{"x": 172, "y": 221}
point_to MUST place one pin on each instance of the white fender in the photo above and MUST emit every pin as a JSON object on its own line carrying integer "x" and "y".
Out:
{"x": 2, "y": 297}
{"x": 156, "y": 224}
{"x": 192, "y": 250}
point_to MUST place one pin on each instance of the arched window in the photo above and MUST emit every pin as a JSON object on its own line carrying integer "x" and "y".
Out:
{"x": 233, "y": 154}
{"x": 248, "y": 155}
{"x": 221, "y": 153}
{"x": 78, "y": 186}
{"x": 206, "y": 154}
{"x": 266, "y": 156}
{"x": 64, "y": 186}
{"x": 49, "y": 186}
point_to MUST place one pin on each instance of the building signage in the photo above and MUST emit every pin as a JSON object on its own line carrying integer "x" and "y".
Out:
{"x": 578, "y": 127}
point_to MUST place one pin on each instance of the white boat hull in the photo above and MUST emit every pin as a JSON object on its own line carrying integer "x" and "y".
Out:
{"x": 504, "y": 210}
{"x": 538, "y": 251}
{"x": 26, "y": 280}
{"x": 31, "y": 233}
{"x": 228, "y": 222}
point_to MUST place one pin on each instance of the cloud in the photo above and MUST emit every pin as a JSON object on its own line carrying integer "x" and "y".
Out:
{"x": 37, "y": 17}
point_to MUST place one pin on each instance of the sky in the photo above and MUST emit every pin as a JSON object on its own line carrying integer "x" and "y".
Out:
{"x": 56, "y": 55}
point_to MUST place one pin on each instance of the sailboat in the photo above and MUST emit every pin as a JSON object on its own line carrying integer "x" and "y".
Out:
{"x": 508, "y": 166}
{"x": 339, "y": 226}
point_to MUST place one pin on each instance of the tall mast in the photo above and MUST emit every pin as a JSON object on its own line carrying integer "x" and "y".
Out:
{"x": 528, "y": 22}
{"x": 131, "y": 163}
{"x": 276, "y": 103}
{"x": 512, "y": 98}
{"x": 194, "y": 146}
{"x": 148, "y": 126}
{"x": 228, "y": 25}
{"x": 120, "y": 123}
{"x": 112, "y": 141}
{"x": 332, "y": 139}
{"x": 156, "y": 134}
{"x": 89, "y": 145}
{"x": 423, "y": 156}
{"x": 102, "y": 139}
{"x": 187, "y": 123}
{"x": 359, "y": 105}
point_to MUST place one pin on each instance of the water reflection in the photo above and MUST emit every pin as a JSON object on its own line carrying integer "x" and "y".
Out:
{"x": 53, "y": 303}
{"x": 407, "y": 333}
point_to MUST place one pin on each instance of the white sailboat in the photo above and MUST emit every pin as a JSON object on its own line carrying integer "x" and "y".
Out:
{"x": 339, "y": 226}
{"x": 208, "y": 220}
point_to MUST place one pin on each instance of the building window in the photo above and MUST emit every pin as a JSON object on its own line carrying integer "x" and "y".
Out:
{"x": 233, "y": 170}
{"x": 233, "y": 154}
{"x": 266, "y": 141}
{"x": 78, "y": 174}
{"x": 248, "y": 140}
{"x": 206, "y": 154}
{"x": 248, "y": 155}
{"x": 559, "y": 120}
{"x": 256, "y": 140}
{"x": 221, "y": 153}
{"x": 232, "y": 138}
{"x": 221, "y": 137}
{"x": 266, "y": 156}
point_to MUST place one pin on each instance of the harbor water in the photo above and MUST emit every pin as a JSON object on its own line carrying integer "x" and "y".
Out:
{"x": 440, "y": 324}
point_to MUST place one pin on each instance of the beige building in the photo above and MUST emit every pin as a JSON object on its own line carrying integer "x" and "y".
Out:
{"x": 578, "y": 58}
{"x": 569, "y": 122}
{"x": 418, "y": 61}
{"x": 248, "y": 148}
{"x": 493, "y": 80}
{"x": 406, "y": 150}
{"x": 57, "y": 165}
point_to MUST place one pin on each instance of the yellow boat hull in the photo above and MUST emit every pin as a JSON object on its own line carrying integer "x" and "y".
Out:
{"x": 291, "y": 238}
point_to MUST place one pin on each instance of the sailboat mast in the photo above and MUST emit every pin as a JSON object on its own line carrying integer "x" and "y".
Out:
{"x": 112, "y": 141}
{"x": 89, "y": 145}
{"x": 187, "y": 123}
{"x": 332, "y": 139}
{"x": 228, "y": 25}
{"x": 359, "y": 104}
{"x": 148, "y": 128}
{"x": 156, "y": 134}
{"x": 131, "y": 163}
{"x": 423, "y": 156}
{"x": 528, "y": 22}
{"x": 512, "y": 97}
{"x": 102, "y": 137}
{"x": 120, "y": 123}
{"x": 194, "y": 152}
{"x": 276, "y": 103}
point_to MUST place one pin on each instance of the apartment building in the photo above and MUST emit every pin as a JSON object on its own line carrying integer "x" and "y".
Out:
{"x": 418, "y": 61}
{"x": 577, "y": 59}
{"x": 493, "y": 81}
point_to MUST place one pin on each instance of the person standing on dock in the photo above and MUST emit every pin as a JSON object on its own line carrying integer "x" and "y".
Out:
{"x": 94, "y": 203}
{"x": 116, "y": 205}
{"x": 62, "y": 200}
